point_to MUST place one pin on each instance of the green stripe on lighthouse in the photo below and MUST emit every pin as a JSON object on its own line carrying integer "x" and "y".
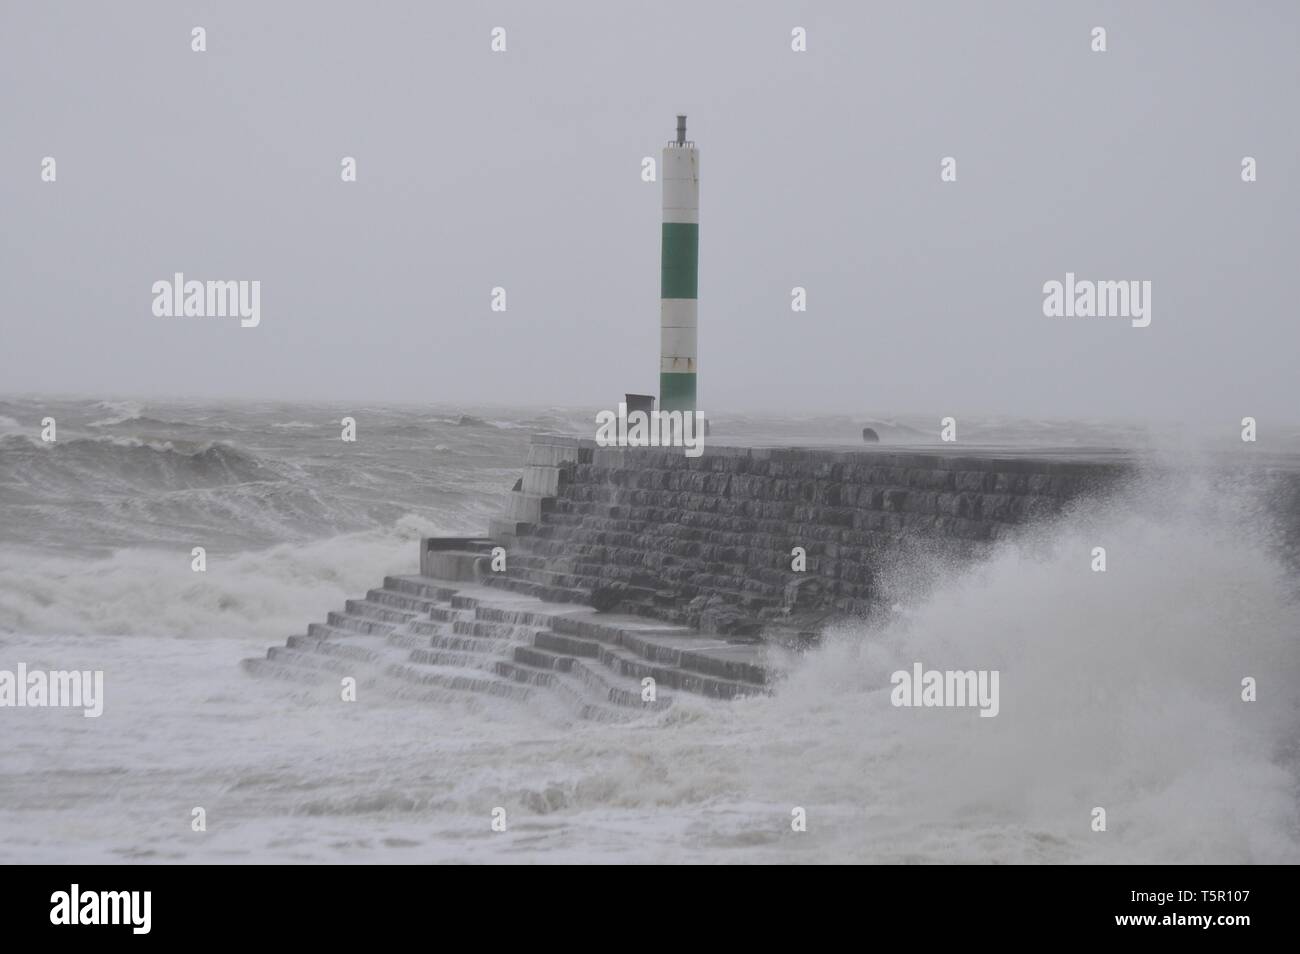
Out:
{"x": 677, "y": 392}
{"x": 679, "y": 272}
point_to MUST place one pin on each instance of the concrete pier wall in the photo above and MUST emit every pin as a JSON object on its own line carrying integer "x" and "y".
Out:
{"x": 709, "y": 541}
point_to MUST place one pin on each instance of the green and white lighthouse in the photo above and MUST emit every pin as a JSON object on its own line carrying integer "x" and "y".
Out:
{"x": 679, "y": 273}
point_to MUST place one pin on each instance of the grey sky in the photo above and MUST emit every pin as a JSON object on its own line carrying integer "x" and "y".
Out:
{"x": 522, "y": 169}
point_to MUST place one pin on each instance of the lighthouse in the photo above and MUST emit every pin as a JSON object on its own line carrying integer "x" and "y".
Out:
{"x": 679, "y": 273}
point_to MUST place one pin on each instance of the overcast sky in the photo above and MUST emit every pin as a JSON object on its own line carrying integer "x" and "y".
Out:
{"x": 522, "y": 169}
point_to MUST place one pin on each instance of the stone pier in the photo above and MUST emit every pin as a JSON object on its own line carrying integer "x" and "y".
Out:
{"x": 635, "y": 575}
{"x": 709, "y": 542}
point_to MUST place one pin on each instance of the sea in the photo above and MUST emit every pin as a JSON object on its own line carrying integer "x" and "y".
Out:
{"x": 1120, "y": 690}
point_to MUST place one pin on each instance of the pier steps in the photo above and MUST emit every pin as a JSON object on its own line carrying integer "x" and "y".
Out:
{"x": 418, "y": 634}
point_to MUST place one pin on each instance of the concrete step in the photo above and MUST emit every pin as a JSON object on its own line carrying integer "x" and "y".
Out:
{"x": 445, "y": 614}
{"x": 533, "y": 615}
{"x": 402, "y": 639}
{"x": 422, "y": 586}
{"x": 729, "y": 670}
{"x": 376, "y": 611}
{"x": 357, "y": 624}
{"x": 461, "y": 681}
{"x": 524, "y": 674}
{"x": 542, "y": 591}
{"x": 434, "y": 673}
{"x": 425, "y": 627}
{"x": 541, "y": 659}
{"x": 325, "y": 647}
{"x": 569, "y": 645}
{"x": 577, "y": 694}
{"x": 396, "y": 599}
{"x": 570, "y": 691}
{"x": 417, "y": 636}
{"x": 443, "y": 657}
{"x": 589, "y": 637}
{"x": 473, "y": 644}
{"x": 490, "y": 629}
{"x": 626, "y": 664}
{"x": 615, "y": 690}
{"x": 608, "y": 686}
{"x": 321, "y": 659}
{"x": 328, "y": 632}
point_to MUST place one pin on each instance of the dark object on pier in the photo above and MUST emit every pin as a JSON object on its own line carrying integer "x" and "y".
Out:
{"x": 639, "y": 402}
{"x": 869, "y": 436}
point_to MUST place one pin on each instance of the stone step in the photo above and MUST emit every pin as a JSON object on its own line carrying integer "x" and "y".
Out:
{"x": 585, "y": 638}
{"x": 515, "y": 617}
{"x": 375, "y": 611}
{"x": 357, "y": 624}
{"x": 558, "y": 673}
{"x": 443, "y": 657}
{"x": 329, "y": 648}
{"x": 461, "y": 681}
{"x": 425, "y": 627}
{"x": 312, "y": 660}
{"x": 437, "y": 638}
{"x": 545, "y": 592}
{"x": 610, "y": 686}
{"x": 403, "y": 639}
{"x": 490, "y": 629}
{"x": 396, "y": 599}
{"x": 576, "y": 693}
{"x": 473, "y": 644}
{"x": 615, "y": 690}
{"x": 591, "y": 637}
{"x": 532, "y": 656}
{"x": 524, "y": 674}
{"x": 685, "y": 659}
{"x": 344, "y": 660}
{"x": 324, "y": 631}
{"x": 568, "y": 645}
{"x": 629, "y": 665}
{"x": 422, "y": 586}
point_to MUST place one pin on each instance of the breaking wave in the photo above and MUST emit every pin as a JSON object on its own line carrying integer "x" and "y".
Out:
{"x": 261, "y": 593}
{"x": 1119, "y": 689}
{"x": 94, "y": 463}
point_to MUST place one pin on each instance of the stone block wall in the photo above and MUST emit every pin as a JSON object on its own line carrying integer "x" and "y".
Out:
{"x": 708, "y": 541}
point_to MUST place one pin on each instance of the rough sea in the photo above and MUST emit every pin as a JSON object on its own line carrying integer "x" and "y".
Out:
{"x": 1119, "y": 689}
